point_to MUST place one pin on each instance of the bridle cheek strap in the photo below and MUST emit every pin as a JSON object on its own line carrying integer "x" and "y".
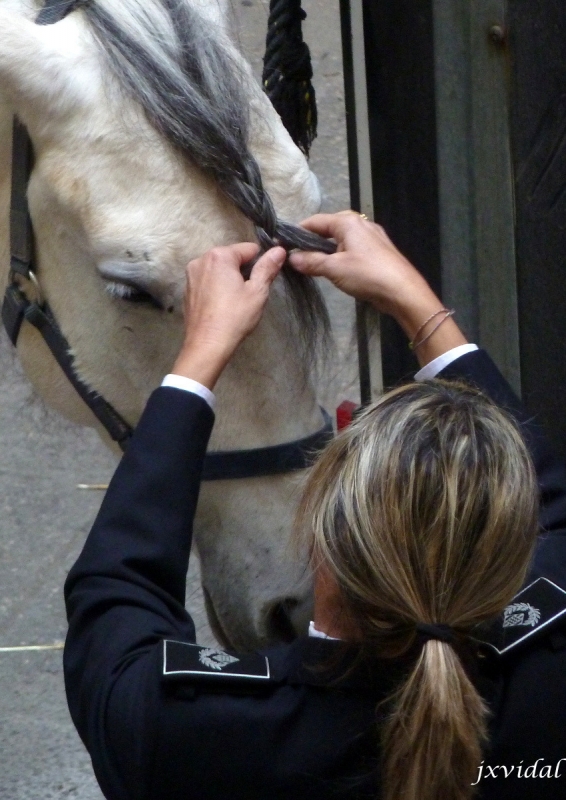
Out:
{"x": 16, "y": 308}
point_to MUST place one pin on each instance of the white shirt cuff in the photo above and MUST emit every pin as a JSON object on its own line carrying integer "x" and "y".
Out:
{"x": 319, "y": 634}
{"x": 188, "y": 385}
{"x": 435, "y": 366}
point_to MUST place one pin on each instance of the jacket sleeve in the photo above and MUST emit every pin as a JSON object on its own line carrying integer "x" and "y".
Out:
{"x": 126, "y": 591}
{"x": 549, "y": 561}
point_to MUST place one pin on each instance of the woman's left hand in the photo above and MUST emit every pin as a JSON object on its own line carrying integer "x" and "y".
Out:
{"x": 221, "y": 308}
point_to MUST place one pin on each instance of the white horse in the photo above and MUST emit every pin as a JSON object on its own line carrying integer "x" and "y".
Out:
{"x": 118, "y": 209}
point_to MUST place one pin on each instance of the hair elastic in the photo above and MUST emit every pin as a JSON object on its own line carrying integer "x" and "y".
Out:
{"x": 444, "y": 633}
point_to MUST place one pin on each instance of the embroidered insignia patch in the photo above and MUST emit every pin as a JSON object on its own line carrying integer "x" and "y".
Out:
{"x": 537, "y": 610}
{"x": 520, "y": 614}
{"x": 215, "y": 659}
{"x": 183, "y": 661}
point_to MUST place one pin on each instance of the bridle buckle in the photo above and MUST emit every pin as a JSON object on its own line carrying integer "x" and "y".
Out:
{"x": 27, "y": 274}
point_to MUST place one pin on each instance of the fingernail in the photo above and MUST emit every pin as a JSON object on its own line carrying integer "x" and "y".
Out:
{"x": 279, "y": 254}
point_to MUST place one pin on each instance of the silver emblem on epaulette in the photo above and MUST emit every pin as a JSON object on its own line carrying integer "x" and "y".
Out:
{"x": 520, "y": 614}
{"x": 215, "y": 659}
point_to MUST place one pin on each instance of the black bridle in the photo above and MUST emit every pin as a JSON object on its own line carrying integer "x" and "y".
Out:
{"x": 17, "y": 308}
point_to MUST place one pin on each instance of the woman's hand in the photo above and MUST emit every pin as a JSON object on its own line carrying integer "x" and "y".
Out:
{"x": 368, "y": 266}
{"x": 221, "y": 308}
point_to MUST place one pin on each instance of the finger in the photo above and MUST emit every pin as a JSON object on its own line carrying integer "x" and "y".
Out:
{"x": 244, "y": 251}
{"x": 330, "y": 225}
{"x": 312, "y": 263}
{"x": 232, "y": 255}
{"x": 266, "y": 268}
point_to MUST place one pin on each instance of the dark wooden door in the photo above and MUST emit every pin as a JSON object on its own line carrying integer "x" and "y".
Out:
{"x": 537, "y": 41}
{"x": 403, "y": 98}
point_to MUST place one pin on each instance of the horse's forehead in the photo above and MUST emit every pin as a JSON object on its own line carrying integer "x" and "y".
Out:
{"x": 140, "y": 211}
{"x": 103, "y": 147}
{"x": 105, "y": 154}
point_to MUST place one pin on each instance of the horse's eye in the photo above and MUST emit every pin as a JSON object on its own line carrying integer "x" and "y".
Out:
{"x": 131, "y": 293}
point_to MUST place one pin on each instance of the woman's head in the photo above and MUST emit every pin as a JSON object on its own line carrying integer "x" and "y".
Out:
{"x": 425, "y": 511}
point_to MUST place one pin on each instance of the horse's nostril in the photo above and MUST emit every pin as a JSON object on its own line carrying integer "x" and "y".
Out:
{"x": 279, "y": 622}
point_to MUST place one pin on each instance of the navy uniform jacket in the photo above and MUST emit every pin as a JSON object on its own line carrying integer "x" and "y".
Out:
{"x": 300, "y": 733}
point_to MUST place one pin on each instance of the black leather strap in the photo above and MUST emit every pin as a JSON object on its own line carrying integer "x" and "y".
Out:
{"x": 116, "y": 426}
{"x": 15, "y": 308}
{"x": 228, "y": 464}
{"x": 13, "y": 311}
{"x": 21, "y": 232}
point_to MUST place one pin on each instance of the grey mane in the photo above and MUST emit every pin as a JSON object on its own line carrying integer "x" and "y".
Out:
{"x": 193, "y": 93}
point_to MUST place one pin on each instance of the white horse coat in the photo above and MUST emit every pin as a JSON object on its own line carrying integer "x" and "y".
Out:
{"x": 117, "y": 211}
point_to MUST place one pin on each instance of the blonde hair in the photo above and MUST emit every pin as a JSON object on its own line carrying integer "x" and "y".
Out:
{"x": 425, "y": 511}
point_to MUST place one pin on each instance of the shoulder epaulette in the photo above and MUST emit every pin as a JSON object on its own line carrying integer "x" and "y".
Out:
{"x": 536, "y": 611}
{"x": 183, "y": 661}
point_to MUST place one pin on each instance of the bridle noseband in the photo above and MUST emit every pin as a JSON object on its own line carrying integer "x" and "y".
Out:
{"x": 16, "y": 307}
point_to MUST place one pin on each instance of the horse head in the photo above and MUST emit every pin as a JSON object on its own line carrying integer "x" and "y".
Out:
{"x": 152, "y": 144}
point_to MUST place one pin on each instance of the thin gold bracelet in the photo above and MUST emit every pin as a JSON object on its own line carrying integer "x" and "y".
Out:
{"x": 427, "y": 320}
{"x": 449, "y": 313}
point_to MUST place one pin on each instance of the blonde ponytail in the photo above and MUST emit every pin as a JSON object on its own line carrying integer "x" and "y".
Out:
{"x": 432, "y": 739}
{"x": 424, "y": 512}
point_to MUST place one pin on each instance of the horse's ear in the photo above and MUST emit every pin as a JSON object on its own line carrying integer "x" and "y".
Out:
{"x": 36, "y": 65}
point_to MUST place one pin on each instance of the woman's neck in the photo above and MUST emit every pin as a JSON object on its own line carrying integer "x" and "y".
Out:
{"x": 331, "y": 615}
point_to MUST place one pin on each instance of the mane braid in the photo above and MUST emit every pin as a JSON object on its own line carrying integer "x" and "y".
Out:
{"x": 192, "y": 92}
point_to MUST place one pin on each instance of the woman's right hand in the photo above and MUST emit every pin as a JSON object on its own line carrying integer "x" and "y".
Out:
{"x": 368, "y": 266}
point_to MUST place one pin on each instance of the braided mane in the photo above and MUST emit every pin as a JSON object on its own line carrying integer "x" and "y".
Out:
{"x": 193, "y": 93}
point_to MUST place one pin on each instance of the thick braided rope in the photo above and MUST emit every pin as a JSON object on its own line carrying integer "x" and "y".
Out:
{"x": 281, "y": 15}
{"x": 287, "y": 72}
